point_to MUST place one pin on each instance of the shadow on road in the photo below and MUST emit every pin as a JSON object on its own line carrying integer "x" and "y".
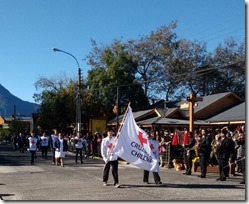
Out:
{"x": 191, "y": 186}
{"x": 4, "y": 195}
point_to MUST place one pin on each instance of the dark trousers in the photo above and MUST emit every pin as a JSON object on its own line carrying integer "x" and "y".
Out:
{"x": 223, "y": 168}
{"x": 114, "y": 165}
{"x": 32, "y": 156}
{"x": 78, "y": 151}
{"x": 190, "y": 157}
{"x": 232, "y": 164}
{"x": 44, "y": 150}
{"x": 14, "y": 146}
{"x": 156, "y": 176}
{"x": 203, "y": 164}
{"x": 53, "y": 154}
{"x": 21, "y": 147}
{"x": 243, "y": 167}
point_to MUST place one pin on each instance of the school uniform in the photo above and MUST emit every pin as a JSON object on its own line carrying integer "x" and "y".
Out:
{"x": 110, "y": 159}
{"x": 33, "y": 142}
{"x": 78, "y": 146}
{"x": 154, "y": 144}
{"x": 44, "y": 142}
{"x": 54, "y": 138}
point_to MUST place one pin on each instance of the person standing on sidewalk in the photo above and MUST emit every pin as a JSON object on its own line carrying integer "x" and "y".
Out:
{"x": 224, "y": 148}
{"x": 32, "y": 147}
{"x": 204, "y": 152}
{"x": 109, "y": 158}
{"x": 78, "y": 141}
{"x": 189, "y": 150}
{"x": 241, "y": 141}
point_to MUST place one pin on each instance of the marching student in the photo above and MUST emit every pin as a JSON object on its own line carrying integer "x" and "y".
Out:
{"x": 44, "y": 143}
{"x": 32, "y": 146}
{"x": 155, "y": 149}
{"x": 61, "y": 147}
{"x": 109, "y": 158}
{"x": 21, "y": 142}
{"x": 54, "y": 138}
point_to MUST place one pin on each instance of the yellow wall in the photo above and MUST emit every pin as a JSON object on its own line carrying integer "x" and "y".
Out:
{"x": 97, "y": 125}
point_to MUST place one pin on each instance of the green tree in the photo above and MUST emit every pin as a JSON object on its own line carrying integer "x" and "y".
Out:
{"x": 228, "y": 62}
{"x": 17, "y": 126}
{"x": 57, "y": 102}
{"x": 4, "y": 134}
{"x": 150, "y": 53}
{"x": 112, "y": 77}
{"x": 183, "y": 66}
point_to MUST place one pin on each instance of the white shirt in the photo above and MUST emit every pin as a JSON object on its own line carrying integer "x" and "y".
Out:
{"x": 44, "y": 141}
{"x": 79, "y": 143}
{"x": 106, "y": 147}
{"x": 32, "y": 143}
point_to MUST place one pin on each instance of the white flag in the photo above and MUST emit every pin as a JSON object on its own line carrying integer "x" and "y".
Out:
{"x": 133, "y": 145}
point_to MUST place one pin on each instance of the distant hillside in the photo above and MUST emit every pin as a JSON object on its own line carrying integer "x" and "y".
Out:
{"x": 7, "y": 102}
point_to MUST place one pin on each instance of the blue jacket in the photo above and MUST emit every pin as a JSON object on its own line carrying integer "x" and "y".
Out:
{"x": 65, "y": 146}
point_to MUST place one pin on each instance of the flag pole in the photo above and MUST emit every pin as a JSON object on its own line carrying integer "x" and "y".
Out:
{"x": 119, "y": 129}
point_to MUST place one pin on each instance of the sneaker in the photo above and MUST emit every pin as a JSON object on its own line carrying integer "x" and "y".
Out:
{"x": 104, "y": 183}
{"x": 158, "y": 183}
{"x": 116, "y": 185}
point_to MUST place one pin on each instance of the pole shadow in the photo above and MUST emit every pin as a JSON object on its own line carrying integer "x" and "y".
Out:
{"x": 5, "y": 195}
{"x": 191, "y": 186}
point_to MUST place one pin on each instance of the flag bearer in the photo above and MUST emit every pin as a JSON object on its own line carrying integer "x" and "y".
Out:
{"x": 109, "y": 158}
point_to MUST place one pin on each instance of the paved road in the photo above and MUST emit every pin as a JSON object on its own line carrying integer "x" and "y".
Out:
{"x": 44, "y": 181}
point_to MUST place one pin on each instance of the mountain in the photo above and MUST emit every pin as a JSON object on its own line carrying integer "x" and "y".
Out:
{"x": 9, "y": 103}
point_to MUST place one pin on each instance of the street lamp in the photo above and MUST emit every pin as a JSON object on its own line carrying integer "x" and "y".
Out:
{"x": 78, "y": 110}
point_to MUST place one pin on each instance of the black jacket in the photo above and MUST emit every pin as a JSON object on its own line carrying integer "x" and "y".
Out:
{"x": 205, "y": 146}
{"x": 225, "y": 149}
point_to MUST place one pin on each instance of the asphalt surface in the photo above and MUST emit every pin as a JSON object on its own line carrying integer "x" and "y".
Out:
{"x": 83, "y": 182}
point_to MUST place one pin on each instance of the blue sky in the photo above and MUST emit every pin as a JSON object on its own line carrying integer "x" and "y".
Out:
{"x": 29, "y": 29}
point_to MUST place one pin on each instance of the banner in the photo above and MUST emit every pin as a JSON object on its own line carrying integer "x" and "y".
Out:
{"x": 133, "y": 145}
